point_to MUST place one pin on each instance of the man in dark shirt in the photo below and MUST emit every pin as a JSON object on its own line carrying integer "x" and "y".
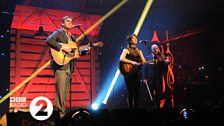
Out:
{"x": 59, "y": 41}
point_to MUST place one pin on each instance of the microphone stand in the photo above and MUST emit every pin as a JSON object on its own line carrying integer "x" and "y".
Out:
{"x": 85, "y": 36}
{"x": 146, "y": 44}
{"x": 91, "y": 45}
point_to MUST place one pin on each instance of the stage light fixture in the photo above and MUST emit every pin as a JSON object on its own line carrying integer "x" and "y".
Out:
{"x": 40, "y": 34}
{"x": 187, "y": 113}
{"x": 79, "y": 117}
{"x": 95, "y": 106}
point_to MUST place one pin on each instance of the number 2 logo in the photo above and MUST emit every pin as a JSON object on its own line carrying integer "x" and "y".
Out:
{"x": 41, "y": 108}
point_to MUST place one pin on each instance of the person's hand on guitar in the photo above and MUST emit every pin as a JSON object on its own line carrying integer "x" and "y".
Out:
{"x": 135, "y": 63}
{"x": 66, "y": 49}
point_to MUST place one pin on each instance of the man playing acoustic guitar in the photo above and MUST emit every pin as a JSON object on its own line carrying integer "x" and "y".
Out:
{"x": 132, "y": 56}
{"x": 63, "y": 44}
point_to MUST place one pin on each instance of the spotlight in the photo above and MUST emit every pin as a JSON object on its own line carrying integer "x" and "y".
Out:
{"x": 95, "y": 106}
{"x": 187, "y": 113}
{"x": 79, "y": 117}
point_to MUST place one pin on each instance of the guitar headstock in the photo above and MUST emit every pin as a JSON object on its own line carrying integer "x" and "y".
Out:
{"x": 98, "y": 44}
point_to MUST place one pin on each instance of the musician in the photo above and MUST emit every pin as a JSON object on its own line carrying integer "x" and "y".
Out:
{"x": 63, "y": 73}
{"x": 153, "y": 73}
{"x": 134, "y": 56}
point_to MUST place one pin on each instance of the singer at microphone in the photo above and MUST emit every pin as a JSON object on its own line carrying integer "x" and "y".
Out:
{"x": 77, "y": 25}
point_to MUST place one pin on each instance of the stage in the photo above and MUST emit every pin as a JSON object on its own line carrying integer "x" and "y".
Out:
{"x": 189, "y": 34}
{"x": 120, "y": 117}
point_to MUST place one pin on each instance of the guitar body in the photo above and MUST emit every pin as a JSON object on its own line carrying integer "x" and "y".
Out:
{"x": 62, "y": 58}
{"x": 128, "y": 69}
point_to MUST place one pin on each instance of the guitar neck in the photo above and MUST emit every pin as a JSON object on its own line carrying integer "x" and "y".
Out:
{"x": 83, "y": 47}
{"x": 149, "y": 61}
{"x": 86, "y": 46}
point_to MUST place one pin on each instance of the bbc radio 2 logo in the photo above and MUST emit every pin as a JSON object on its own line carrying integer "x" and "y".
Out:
{"x": 17, "y": 102}
{"x": 41, "y": 108}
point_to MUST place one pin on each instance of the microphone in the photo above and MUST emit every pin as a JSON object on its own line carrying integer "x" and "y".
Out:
{"x": 143, "y": 41}
{"x": 77, "y": 25}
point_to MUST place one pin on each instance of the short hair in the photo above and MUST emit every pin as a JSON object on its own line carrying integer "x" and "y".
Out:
{"x": 66, "y": 17}
{"x": 154, "y": 45}
{"x": 129, "y": 37}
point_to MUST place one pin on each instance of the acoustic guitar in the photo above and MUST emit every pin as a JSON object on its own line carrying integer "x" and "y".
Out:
{"x": 61, "y": 57}
{"x": 127, "y": 69}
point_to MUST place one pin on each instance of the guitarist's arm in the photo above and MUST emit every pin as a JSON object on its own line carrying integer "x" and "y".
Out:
{"x": 53, "y": 43}
{"x": 142, "y": 56}
{"x": 124, "y": 59}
